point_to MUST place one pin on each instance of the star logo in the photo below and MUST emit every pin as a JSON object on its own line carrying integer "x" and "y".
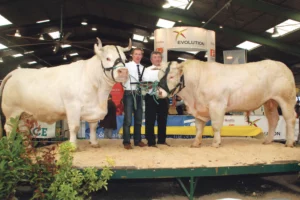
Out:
{"x": 180, "y": 33}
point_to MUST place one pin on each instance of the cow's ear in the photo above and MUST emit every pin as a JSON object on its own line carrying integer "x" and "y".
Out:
{"x": 163, "y": 65}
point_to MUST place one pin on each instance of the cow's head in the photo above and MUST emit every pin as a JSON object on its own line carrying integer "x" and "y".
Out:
{"x": 171, "y": 79}
{"x": 113, "y": 60}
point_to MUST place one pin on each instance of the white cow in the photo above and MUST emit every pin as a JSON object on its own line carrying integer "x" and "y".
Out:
{"x": 76, "y": 91}
{"x": 211, "y": 89}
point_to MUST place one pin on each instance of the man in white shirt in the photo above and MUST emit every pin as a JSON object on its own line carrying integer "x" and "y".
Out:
{"x": 132, "y": 100}
{"x": 154, "y": 111}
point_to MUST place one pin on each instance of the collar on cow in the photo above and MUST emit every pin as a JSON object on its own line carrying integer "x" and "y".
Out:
{"x": 164, "y": 85}
{"x": 117, "y": 61}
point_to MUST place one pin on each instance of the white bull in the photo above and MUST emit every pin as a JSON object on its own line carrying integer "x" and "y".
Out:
{"x": 76, "y": 91}
{"x": 211, "y": 89}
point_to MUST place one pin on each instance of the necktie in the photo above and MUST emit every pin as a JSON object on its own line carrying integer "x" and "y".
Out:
{"x": 139, "y": 73}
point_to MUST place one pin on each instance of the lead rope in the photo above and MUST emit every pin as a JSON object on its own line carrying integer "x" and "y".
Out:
{"x": 142, "y": 90}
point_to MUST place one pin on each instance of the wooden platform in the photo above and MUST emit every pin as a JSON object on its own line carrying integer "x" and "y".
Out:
{"x": 233, "y": 152}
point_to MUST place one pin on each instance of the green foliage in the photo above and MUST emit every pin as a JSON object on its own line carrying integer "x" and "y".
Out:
{"x": 75, "y": 184}
{"x": 14, "y": 164}
{"x": 20, "y": 160}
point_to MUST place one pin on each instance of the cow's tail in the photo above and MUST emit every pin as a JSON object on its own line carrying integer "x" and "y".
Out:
{"x": 1, "y": 113}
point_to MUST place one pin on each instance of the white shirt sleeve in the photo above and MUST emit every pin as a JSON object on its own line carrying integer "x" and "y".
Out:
{"x": 150, "y": 75}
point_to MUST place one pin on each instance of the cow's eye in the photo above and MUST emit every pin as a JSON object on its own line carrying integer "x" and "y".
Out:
{"x": 108, "y": 59}
{"x": 171, "y": 77}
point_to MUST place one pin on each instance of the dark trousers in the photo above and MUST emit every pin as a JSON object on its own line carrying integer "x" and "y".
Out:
{"x": 157, "y": 112}
{"x": 129, "y": 100}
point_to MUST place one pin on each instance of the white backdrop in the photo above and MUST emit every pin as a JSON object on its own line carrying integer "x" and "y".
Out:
{"x": 185, "y": 38}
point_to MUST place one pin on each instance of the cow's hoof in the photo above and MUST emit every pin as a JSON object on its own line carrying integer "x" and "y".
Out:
{"x": 195, "y": 145}
{"x": 267, "y": 142}
{"x": 216, "y": 145}
{"x": 289, "y": 144}
{"x": 74, "y": 147}
{"x": 95, "y": 145}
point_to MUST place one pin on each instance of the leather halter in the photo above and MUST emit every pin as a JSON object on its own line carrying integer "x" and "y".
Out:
{"x": 164, "y": 84}
{"x": 117, "y": 61}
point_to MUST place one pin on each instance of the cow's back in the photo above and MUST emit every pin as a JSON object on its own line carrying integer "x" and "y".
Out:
{"x": 42, "y": 91}
{"x": 244, "y": 86}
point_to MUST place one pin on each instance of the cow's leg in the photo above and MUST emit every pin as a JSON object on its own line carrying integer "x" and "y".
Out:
{"x": 289, "y": 116}
{"x": 271, "y": 112}
{"x": 74, "y": 128}
{"x": 93, "y": 138}
{"x": 217, "y": 112}
{"x": 8, "y": 127}
{"x": 200, "y": 124}
{"x": 73, "y": 118}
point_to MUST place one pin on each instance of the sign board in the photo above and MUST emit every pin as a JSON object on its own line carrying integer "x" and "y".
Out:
{"x": 185, "y": 39}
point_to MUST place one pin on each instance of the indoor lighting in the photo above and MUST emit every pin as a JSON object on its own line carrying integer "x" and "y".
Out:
{"x": 32, "y": 62}
{"x": 203, "y": 22}
{"x": 41, "y": 37}
{"x": 275, "y": 33}
{"x": 65, "y": 57}
{"x": 205, "y": 56}
{"x": 133, "y": 47}
{"x": 181, "y": 4}
{"x": 17, "y": 55}
{"x": 163, "y": 23}
{"x": 17, "y": 34}
{"x": 4, "y": 21}
{"x": 3, "y": 46}
{"x": 179, "y": 21}
{"x": 248, "y": 45}
{"x": 65, "y": 45}
{"x": 166, "y": 5}
{"x": 1, "y": 60}
{"x": 146, "y": 40}
{"x": 73, "y": 54}
{"x": 192, "y": 52}
{"x": 54, "y": 49}
{"x": 84, "y": 22}
{"x": 151, "y": 37}
{"x": 179, "y": 58}
{"x": 43, "y": 21}
{"x": 285, "y": 27}
{"x": 94, "y": 29}
{"x": 190, "y": 4}
{"x": 229, "y": 57}
{"x": 220, "y": 26}
{"x": 138, "y": 37}
{"x": 28, "y": 52}
{"x": 54, "y": 35}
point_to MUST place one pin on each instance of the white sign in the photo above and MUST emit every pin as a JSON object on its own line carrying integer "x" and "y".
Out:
{"x": 184, "y": 39}
{"x": 43, "y": 130}
{"x": 261, "y": 122}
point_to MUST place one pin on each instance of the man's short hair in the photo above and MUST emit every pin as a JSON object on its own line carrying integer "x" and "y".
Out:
{"x": 137, "y": 49}
{"x": 156, "y": 53}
